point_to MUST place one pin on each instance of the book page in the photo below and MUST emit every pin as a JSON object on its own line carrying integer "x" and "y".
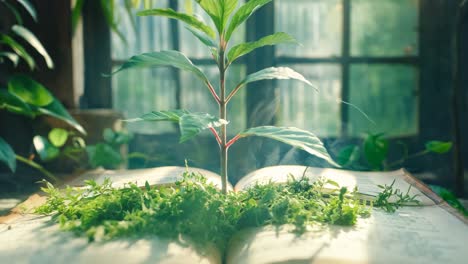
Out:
{"x": 366, "y": 182}
{"x": 426, "y": 234}
{"x": 154, "y": 176}
{"x": 33, "y": 239}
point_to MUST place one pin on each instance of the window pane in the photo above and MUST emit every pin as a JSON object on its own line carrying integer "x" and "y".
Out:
{"x": 197, "y": 98}
{"x": 190, "y": 45}
{"x": 152, "y": 33}
{"x": 384, "y": 27}
{"x": 387, "y": 94}
{"x": 303, "y": 107}
{"x": 136, "y": 92}
{"x": 316, "y": 24}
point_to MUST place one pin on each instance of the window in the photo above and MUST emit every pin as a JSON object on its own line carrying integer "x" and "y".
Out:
{"x": 363, "y": 52}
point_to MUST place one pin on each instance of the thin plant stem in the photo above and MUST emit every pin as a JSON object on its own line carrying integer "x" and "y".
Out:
{"x": 37, "y": 167}
{"x": 222, "y": 115}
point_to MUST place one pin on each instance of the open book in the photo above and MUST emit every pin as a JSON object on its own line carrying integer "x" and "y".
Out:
{"x": 430, "y": 233}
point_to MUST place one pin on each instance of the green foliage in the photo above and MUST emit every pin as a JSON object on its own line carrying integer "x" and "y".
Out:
{"x": 376, "y": 150}
{"x": 391, "y": 199}
{"x": 29, "y": 91}
{"x": 7, "y": 155}
{"x": 58, "y": 137}
{"x": 245, "y": 48}
{"x": 45, "y": 149}
{"x": 66, "y": 144}
{"x": 292, "y": 136}
{"x": 196, "y": 208}
{"x": 163, "y": 58}
{"x": 450, "y": 198}
{"x": 438, "y": 147}
{"x": 18, "y": 50}
{"x": 226, "y": 16}
{"x": 34, "y": 42}
{"x": 188, "y": 19}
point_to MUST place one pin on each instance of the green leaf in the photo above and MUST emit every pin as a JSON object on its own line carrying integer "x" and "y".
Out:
{"x": 34, "y": 42}
{"x": 192, "y": 124}
{"x": 58, "y": 137}
{"x": 169, "y": 115}
{"x": 242, "y": 14}
{"x": 188, "y": 19}
{"x": 375, "y": 150}
{"x": 108, "y": 10}
{"x": 228, "y": 6}
{"x": 56, "y": 109}
{"x": 7, "y": 155}
{"x": 45, "y": 149}
{"x": 203, "y": 38}
{"x": 295, "y": 137}
{"x": 14, "y": 104}
{"x": 104, "y": 155}
{"x": 13, "y": 57}
{"x": 214, "y": 9}
{"x": 18, "y": 49}
{"x": 30, "y": 8}
{"x": 245, "y": 48}
{"x": 163, "y": 58}
{"x": 108, "y": 135}
{"x": 76, "y": 14}
{"x": 348, "y": 155}
{"x": 281, "y": 73}
{"x": 29, "y": 90}
{"x": 439, "y": 147}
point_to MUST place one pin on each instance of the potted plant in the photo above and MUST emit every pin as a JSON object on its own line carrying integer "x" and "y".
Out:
{"x": 22, "y": 94}
{"x": 226, "y": 18}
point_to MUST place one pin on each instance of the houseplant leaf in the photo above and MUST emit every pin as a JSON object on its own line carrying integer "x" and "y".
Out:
{"x": 245, "y": 48}
{"x": 76, "y": 14}
{"x": 13, "y": 57}
{"x": 163, "y": 58}
{"x": 281, "y": 73}
{"x": 203, "y": 38}
{"x": 375, "y": 150}
{"x": 30, "y": 8}
{"x": 188, "y": 19}
{"x": 242, "y": 14}
{"x": 348, "y": 155}
{"x": 7, "y": 155}
{"x": 56, "y": 109}
{"x": 192, "y": 124}
{"x": 29, "y": 90}
{"x": 439, "y": 147}
{"x": 295, "y": 137}
{"x": 34, "y": 42}
{"x": 103, "y": 154}
{"x": 45, "y": 149}
{"x": 214, "y": 9}
{"x": 165, "y": 115}
{"x": 14, "y": 104}
{"x": 58, "y": 137}
{"x": 18, "y": 49}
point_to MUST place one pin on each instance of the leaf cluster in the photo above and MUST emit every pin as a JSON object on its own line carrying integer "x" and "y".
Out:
{"x": 66, "y": 144}
{"x": 196, "y": 208}
{"x": 390, "y": 199}
{"x": 373, "y": 153}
